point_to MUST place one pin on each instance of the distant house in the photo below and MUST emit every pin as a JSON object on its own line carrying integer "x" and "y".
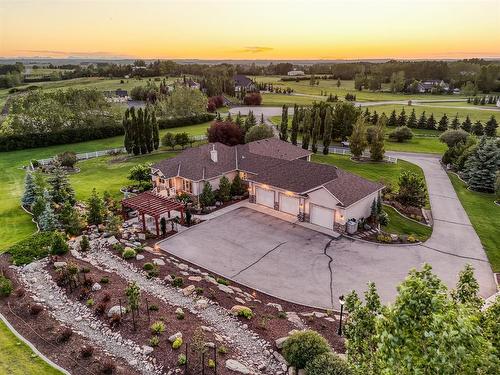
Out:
{"x": 296, "y": 73}
{"x": 188, "y": 82}
{"x": 429, "y": 85}
{"x": 243, "y": 83}
{"x": 118, "y": 95}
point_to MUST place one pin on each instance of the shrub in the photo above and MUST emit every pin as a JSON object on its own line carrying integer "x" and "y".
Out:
{"x": 401, "y": 134}
{"x": 86, "y": 351}
{"x": 158, "y": 327}
{"x": 19, "y": 292}
{"x": 148, "y": 266}
{"x": 177, "y": 343}
{"x": 302, "y": 347}
{"x": 36, "y": 309}
{"x": 154, "y": 273}
{"x": 90, "y": 302}
{"x": 118, "y": 247}
{"x": 246, "y": 313}
{"x": 181, "y": 360}
{"x": 281, "y": 314}
{"x": 198, "y": 291}
{"x": 108, "y": 366}
{"x": 385, "y": 238}
{"x": 258, "y": 132}
{"x": 327, "y": 364}
{"x": 67, "y": 159}
{"x": 222, "y": 350}
{"x": 84, "y": 243}
{"x": 453, "y": 137}
{"x": 100, "y": 308}
{"x": 253, "y": 98}
{"x": 225, "y": 132}
{"x": 128, "y": 253}
{"x": 177, "y": 282}
{"x": 211, "y": 363}
{"x": 64, "y": 334}
{"x": 5, "y": 286}
{"x": 104, "y": 280}
{"x": 412, "y": 238}
{"x": 32, "y": 248}
{"x": 222, "y": 281}
{"x": 154, "y": 341}
{"x": 153, "y": 308}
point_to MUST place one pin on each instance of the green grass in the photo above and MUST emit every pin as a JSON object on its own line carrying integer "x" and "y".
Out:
{"x": 15, "y": 225}
{"x": 277, "y": 100}
{"x": 399, "y": 224}
{"x": 484, "y": 216}
{"x": 16, "y": 358}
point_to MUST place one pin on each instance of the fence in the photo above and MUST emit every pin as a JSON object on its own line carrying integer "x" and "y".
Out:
{"x": 346, "y": 151}
{"x": 87, "y": 155}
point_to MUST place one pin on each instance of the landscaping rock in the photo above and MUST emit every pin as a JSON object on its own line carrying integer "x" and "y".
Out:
{"x": 275, "y": 305}
{"x": 60, "y": 264}
{"x": 195, "y": 278}
{"x": 237, "y": 309}
{"x": 139, "y": 257}
{"x": 96, "y": 287}
{"x": 183, "y": 266}
{"x": 112, "y": 240}
{"x": 115, "y": 310}
{"x": 179, "y": 311}
{"x": 147, "y": 349}
{"x": 239, "y": 300}
{"x": 201, "y": 304}
{"x": 233, "y": 365}
{"x": 158, "y": 262}
{"x": 279, "y": 342}
{"x": 280, "y": 358}
{"x": 211, "y": 280}
{"x": 225, "y": 289}
{"x": 148, "y": 248}
{"x": 188, "y": 290}
{"x": 175, "y": 336}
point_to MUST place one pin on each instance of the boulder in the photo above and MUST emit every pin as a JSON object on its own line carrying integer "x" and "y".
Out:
{"x": 234, "y": 365}
{"x": 142, "y": 236}
{"x": 60, "y": 264}
{"x": 195, "y": 278}
{"x": 147, "y": 349}
{"x": 183, "y": 266}
{"x": 211, "y": 280}
{"x": 139, "y": 257}
{"x": 279, "y": 342}
{"x": 112, "y": 240}
{"x": 115, "y": 310}
{"x": 96, "y": 287}
{"x": 188, "y": 290}
{"x": 225, "y": 289}
{"x": 280, "y": 358}
{"x": 158, "y": 262}
{"x": 201, "y": 304}
{"x": 175, "y": 336}
{"x": 277, "y": 306}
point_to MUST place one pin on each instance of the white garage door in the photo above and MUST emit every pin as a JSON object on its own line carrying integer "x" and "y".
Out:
{"x": 264, "y": 197}
{"x": 289, "y": 204}
{"x": 321, "y": 216}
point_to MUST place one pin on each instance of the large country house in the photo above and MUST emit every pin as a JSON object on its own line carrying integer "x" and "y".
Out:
{"x": 279, "y": 176}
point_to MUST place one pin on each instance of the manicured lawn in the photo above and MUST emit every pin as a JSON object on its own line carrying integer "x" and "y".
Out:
{"x": 16, "y": 358}
{"x": 401, "y": 225}
{"x": 14, "y": 223}
{"x": 484, "y": 216}
{"x": 276, "y": 100}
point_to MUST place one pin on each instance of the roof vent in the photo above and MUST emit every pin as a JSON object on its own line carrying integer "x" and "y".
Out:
{"x": 213, "y": 154}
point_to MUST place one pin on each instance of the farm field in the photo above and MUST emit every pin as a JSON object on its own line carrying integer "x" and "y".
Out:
{"x": 14, "y": 223}
{"x": 484, "y": 216}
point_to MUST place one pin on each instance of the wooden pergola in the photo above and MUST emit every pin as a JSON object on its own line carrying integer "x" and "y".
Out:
{"x": 148, "y": 203}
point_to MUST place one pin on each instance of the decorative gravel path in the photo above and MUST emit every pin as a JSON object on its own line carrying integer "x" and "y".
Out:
{"x": 75, "y": 315}
{"x": 255, "y": 352}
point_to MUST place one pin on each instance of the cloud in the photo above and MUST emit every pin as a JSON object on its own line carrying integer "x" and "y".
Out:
{"x": 256, "y": 49}
{"x": 80, "y": 54}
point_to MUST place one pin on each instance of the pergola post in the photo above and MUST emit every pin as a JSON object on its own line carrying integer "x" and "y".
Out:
{"x": 157, "y": 227}
{"x": 181, "y": 210}
{"x": 143, "y": 222}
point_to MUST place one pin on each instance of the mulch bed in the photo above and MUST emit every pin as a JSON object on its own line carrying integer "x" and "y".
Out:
{"x": 43, "y": 331}
{"x": 113, "y": 294}
{"x": 414, "y": 213}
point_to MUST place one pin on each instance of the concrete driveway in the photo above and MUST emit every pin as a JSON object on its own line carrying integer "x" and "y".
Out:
{"x": 301, "y": 265}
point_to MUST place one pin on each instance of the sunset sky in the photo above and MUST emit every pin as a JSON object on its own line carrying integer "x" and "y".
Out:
{"x": 250, "y": 29}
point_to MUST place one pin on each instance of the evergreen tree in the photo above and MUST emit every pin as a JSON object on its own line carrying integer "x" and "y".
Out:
{"x": 374, "y": 118}
{"x": 443, "y": 123}
{"x": 412, "y": 119}
{"x": 306, "y": 129}
{"x": 467, "y": 124}
{"x": 284, "y": 123}
{"x": 229, "y": 118}
{"x": 30, "y": 190}
{"x": 239, "y": 120}
{"x": 338, "y": 82}
{"x": 393, "y": 120}
{"x": 224, "y": 189}
{"x": 60, "y": 187}
{"x": 422, "y": 121}
{"x": 47, "y": 221}
{"x": 490, "y": 129}
{"x": 39, "y": 204}
{"x": 95, "y": 209}
{"x": 402, "y": 118}
{"x": 357, "y": 141}
{"x": 207, "y": 196}
{"x": 295, "y": 125}
{"x": 467, "y": 291}
{"x": 431, "y": 122}
{"x": 156, "y": 131}
{"x": 315, "y": 131}
{"x": 59, "y": 245}
{"x": 327, "y": 134}
{"x": 455, "y": 124}
{"x": 482, "y": 165}
{"x": 70, "y": 220}
{"x": 477, "y": 128}
{"x": 141, "y": 133}
{"x": 367, "y": 114}
{"x": 237, "y": 187}
{"x": 262, "y": 122}
{"x": 377, "y": 148}
{"x": 250, "y": 121}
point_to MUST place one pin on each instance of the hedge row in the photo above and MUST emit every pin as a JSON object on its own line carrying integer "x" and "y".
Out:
{"x": 66, "y": 136}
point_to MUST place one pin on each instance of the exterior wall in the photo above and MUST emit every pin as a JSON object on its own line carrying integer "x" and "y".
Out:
{"x": 361, "y": 208}
{"x": 215, "y": 181}
{"x": 322, "y": 197}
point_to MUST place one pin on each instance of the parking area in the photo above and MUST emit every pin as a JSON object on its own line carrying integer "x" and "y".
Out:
{"x": 301, "y": 265}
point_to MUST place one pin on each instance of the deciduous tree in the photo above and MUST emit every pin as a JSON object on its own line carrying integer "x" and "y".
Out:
{"x": 357, "y": 141}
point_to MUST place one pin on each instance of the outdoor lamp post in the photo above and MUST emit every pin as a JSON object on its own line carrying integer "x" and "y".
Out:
{"x": 341, "y": 301}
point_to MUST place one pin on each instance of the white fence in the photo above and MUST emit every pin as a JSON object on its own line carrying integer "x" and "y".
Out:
{"x": 346, "y": 151}
{"x": 88, "y": 155}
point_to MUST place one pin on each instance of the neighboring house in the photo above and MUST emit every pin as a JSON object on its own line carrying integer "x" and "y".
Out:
{"x": 428, "y": 86}
{"x": 188, "y": 82}
{"x": 296, "y": 73}
{"x": 243, "y": 83}
{"x": 118, "y": 95}
{"x": 279, "y": 176}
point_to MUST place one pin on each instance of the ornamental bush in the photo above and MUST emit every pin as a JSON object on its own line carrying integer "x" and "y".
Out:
{"x": 148, "y": 266}
{"x": 302, "y": 347}
{"x": 5, "y": 286}
{"x": 177, "y": 343}
{"x": 59, "y": 245}
{"x": 401, "y": 134}
{"x": 32, "y": 248}
{"x": 158, "y": 327}
{"x": 128, "y": 253}
{"x": 328, "y": 364}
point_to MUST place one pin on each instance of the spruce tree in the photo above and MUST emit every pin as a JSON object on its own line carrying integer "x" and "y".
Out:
{"x": 367, "y": 114}
{"x": 40, "y": 202}
{"x": 229, "y": 118}
{"x": 315, "y": 133}
{"x": 467, "y": 124}
{"x": 95, "y": 209}
{"x": 47, "y": 221}
{"x": 357, "y": 140}
{"x": 490, "y": 129}
{"x": 377, "y": 148}
{"x": 284, "y": 123}
{"x": 477, "y": 128}
{"x": 207, "y": 196}
{"x": 250, "y": 121}
{"x": 455, "y": 124}
{"x": 239, "y": 120}
{"x": 262, "y": 122}
{"x": 393, "y": 120}
{"x": 443, "y": 123}
{"x": 402, "y": 118}
{"x": 481, "y": 166}
{"x": 60, "y": 187}
{"x": 412, "y": 119}
{"x": 30, "y": 190}
{"x": 306, "y": 129}
{"x": 156, "y": 131}
{"x": 422, "y": 121}
{"x": 327, "y": 134}
{"x": 374, "y": 118}
{"x": 295, "y": 125}
{"x": 431, "y": 122}
{"x": 70, "y": 220}
{"x": 224, "y": 189}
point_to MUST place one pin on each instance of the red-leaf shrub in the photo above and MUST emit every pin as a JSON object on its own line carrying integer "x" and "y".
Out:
{"x": 215, "y": 102}
{"x": 211, "y": 106}
{"x": 225, "y": 132}
{"x": 253, "y": 98}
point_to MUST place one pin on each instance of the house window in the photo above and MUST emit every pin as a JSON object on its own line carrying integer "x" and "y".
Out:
{"x": 187, "y": 185}
{"x": 243, "y": 175}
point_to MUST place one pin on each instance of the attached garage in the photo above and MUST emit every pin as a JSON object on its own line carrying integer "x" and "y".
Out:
{"x": 264, "y": 197}
{"x": 321, "y": 216}
{"x": 289, "y": 204}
